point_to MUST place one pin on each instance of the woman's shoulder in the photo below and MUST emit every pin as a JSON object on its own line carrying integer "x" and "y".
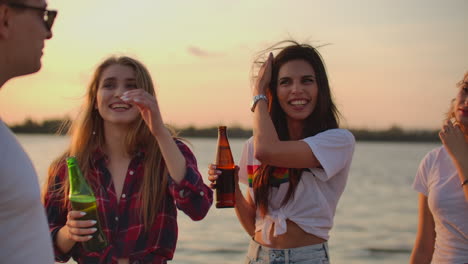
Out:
{"x": 59, "y": 163}
{"x": 249, "y": 144}
{"x": 181, "y": 142}
{"x": 338, "y": 135}
{"x": 435, "y": 154}
{"x": 339, "y": 132}
{"x": 183, "y": 146}
{"x": 248, "y": 152}
{"x": 58, "y": 170}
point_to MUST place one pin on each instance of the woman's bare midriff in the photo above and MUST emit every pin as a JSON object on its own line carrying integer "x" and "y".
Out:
{"x": 123, "y": 261}
{"x": 293, "y": 238}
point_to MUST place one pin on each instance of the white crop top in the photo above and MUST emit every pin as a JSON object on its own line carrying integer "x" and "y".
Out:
{"x": 313, "y": 206}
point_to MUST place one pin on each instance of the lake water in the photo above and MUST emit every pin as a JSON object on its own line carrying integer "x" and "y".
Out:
{"x": 375, "y": 222}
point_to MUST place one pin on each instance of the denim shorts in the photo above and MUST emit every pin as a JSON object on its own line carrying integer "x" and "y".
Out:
{"x": 314, "y": 254}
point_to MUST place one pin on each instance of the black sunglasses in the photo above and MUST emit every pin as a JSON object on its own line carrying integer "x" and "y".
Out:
{"x": 48, "y": 15}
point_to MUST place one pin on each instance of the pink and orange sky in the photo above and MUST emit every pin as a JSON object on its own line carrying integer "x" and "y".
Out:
{"x": 389, "y": 62}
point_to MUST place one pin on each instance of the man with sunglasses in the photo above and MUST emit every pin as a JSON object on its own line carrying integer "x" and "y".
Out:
{"x": 24, "y": 27}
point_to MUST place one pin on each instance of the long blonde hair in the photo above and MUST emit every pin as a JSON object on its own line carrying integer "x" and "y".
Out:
{"x": 87, "y": 135}
{"x": 450, "y": 113}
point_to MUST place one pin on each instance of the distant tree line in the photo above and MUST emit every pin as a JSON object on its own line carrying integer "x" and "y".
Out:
{"x": 394, "y": 133}
{"x": 232, "y": 132}
{"x": 33, "y": 127}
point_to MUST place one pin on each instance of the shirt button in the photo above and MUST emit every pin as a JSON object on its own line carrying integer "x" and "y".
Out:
{"x": 123, "y": 195}
{"x": 116, "y": 218}
{"x": 181, "y": 193}
{"x": 131, "y": 172}
{"x": 202, "y": 193}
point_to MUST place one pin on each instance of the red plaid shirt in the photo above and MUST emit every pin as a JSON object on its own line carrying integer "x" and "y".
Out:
{"x": 121, "y": 221}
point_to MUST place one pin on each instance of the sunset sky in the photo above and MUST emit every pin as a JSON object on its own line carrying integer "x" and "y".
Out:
{"x": 389, "y": 62}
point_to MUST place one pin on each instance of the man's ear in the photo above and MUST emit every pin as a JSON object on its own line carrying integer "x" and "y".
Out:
{"x": 5, "y": 14}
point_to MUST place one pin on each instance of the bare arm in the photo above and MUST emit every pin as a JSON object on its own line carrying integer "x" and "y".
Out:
{"x": 267, "y": 146}
{"x": 245, "y": 210}
{"x": 465, "y": 175}
{"x": 149, "y": 110}
{"x": 272, "y": 151}
{"x": 462, "y": 168}
{"x": 456, "y": 144}
{"x": 425, "y": 237}
{"x": 174, "y": 159}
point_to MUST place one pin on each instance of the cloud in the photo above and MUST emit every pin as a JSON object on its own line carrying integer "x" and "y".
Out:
{"x": 198, "y": 52}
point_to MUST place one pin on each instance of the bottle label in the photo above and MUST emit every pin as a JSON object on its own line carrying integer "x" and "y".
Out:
{"x": 224, "y": 147}
{"x": 225, "y": 188}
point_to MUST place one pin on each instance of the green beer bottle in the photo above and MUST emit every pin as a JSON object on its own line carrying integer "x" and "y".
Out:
{"x": 82, "y": 199}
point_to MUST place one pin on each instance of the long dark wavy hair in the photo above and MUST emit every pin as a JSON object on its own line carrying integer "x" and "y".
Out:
{"x": 324, "y": 116}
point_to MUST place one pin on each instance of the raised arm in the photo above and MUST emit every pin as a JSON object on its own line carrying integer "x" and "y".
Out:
{"x": 269, "y": 149}
{"x": 456, "y": 144}
{"x": 149, "y": 110}
{"x": 191, "y": 195}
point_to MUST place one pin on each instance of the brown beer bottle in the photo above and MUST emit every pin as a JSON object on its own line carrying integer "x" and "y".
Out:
{"x": 82, "y": 199}
{"x": 225, "y": 163}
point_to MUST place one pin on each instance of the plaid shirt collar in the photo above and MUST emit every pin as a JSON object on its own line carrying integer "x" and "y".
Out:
{"x": 99, "y": 155}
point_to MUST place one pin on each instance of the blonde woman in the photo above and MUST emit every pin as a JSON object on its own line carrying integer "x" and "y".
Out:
{"x": 139, "y": 172}
{"x": 442, "y": 183}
